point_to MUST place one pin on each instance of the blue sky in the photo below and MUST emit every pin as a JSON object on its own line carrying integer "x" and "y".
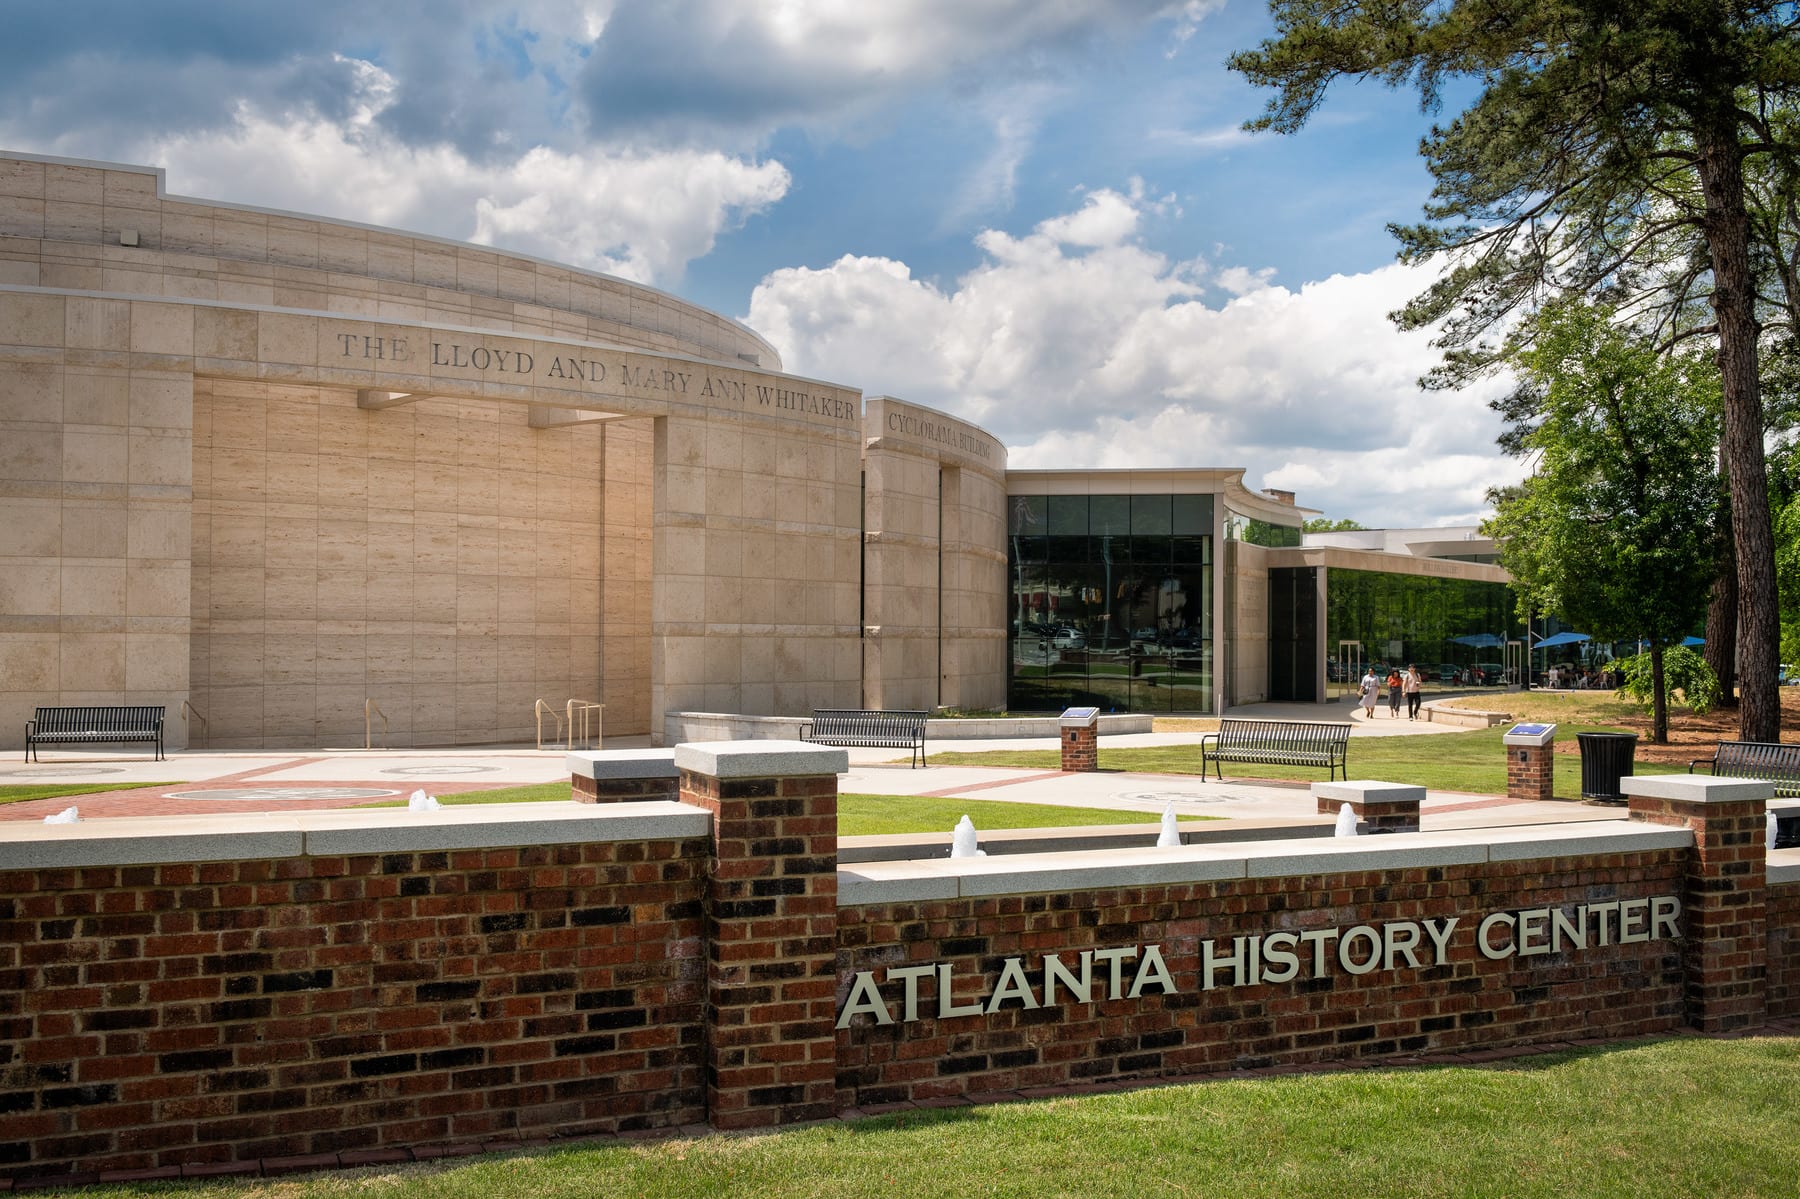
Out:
{"x": 1041, "y": 215}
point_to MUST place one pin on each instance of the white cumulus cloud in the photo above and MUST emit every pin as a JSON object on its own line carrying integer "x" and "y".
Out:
{"x": 642, "y": 213}
{"x": 1078, "y": 346}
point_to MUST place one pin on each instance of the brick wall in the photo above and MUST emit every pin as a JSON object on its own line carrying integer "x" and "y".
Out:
{"x": 230, "y": 1010}
{"x": 1784, "y": 950}
{"x": 1531, "y": 772}
{"x": 195, "y": 994}
{"x": 771, "y": 930}
{"x": 1080, "y": 747}
{"x": 1470, "y": 1002}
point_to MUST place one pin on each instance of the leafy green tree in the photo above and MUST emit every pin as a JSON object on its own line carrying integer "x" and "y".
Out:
{"x": 1683, "y": 671}
{"x": 1614, "y": 530}
{"x": 1322, "y": 524}
{"x": 1606, "y": 141}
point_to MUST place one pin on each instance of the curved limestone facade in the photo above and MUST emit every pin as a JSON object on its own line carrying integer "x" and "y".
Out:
{"x": 293, "y": 477}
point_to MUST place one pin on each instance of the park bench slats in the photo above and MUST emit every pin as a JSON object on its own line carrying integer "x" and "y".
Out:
{"x": 1277, "y": 743}
{"x": 93, "y": 726}
{"x": 1777, "y": 762}
{"x": 867, "y": 729}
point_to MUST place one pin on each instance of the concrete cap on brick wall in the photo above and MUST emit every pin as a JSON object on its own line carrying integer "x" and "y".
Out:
{"x": 760, "y": 759}
{"x": 1697, "y": 788}
{"x": 1361, "y": 790}
{"x": 484, "y": 826}
{"x": 251, "y": 836}
{"x": 624, "y": 764}
{"x": 147, "y": 841}
{"x": 893, "y": 882}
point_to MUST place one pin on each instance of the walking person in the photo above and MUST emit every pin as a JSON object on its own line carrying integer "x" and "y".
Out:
{"x": 1368, "y": 689}
{"x": 1414, "y": 685}
{"x": 1394, "y": 689}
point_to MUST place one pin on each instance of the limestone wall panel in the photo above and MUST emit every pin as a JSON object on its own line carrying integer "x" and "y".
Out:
{"x": 934, "y": 493}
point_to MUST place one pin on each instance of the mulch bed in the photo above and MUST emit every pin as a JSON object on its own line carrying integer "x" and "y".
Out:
{"x": 1692, "y": 736}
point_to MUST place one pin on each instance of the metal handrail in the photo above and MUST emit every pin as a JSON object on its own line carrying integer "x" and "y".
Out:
{"x": 371, "y": 709}
{"x": 584, "y": 708}
{"x": 190, "y": 712}
{"x": 538, "y": 709}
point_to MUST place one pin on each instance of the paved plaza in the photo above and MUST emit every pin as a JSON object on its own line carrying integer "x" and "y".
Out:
{"x": 199, "y": 782}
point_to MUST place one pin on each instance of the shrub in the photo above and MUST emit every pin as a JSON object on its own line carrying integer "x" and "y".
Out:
{"x": 1685, "y": 673}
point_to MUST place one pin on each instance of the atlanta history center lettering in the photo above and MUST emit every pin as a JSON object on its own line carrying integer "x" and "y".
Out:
{"x": 1129, "y": 972}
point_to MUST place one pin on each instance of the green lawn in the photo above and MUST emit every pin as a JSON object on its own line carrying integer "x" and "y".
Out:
{"x": 1679, "y": 1117}
{"x": 1472, "y": 761}
{"x": 23, "y": 791}
{"x": 871, "y": 815}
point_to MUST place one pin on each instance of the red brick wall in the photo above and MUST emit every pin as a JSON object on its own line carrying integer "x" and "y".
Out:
{"x": 771, "y": 931}
{"x": 225, "y": 1011}
{"x": 588, "y": 790}
{"x": 1081, "y": 748}
{"x": 1531, "y": 772}
{"x": 1470, "y": 1002}
{"x": 1784, "y": 951}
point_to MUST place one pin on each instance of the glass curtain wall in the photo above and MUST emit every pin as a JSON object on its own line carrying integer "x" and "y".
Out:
{"x": 1111, "y": 603}
{"x": 1449, "y": 627}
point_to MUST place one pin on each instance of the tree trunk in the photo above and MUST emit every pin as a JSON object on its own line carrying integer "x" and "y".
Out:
{"x": 1721, "y": 610}
{"x": 1659, "y": 703}
{"x": 1721, "y": 628}
{"x": 1741, "y": 443}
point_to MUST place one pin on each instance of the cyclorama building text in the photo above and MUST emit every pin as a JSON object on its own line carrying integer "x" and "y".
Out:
{"x": 284, "y": 475}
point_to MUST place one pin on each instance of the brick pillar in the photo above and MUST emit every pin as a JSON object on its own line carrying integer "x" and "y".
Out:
{"x": 771, "y": 915}
{"x": 623, "y": 775}
{"x": 1080, "y": 732}
{"x": 1724, "y": 910}
{"x": 1379, "y": 807}
{"x": 1531, "y": 763}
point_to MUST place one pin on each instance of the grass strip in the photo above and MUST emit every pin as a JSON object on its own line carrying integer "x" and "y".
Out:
{"x": 1678, "y": 1117}
{"x": 869, "y": 815}
{"x": 19, "y": 793}
{"x": 876, "y": 815}
{"x": 1474, "y": 761}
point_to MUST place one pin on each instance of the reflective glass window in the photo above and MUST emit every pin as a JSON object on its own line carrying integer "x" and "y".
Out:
{"x": 1109, "y": 514}
{"x": 1150, "y": 515}
{"x": 1068, "y": 515}
{"x": 1028, "y": 515}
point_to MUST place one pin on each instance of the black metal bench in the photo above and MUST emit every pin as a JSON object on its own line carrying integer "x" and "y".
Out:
{"x": 1277, "y": 743}
{"x": 877, "y": 730}
{"x": 93, "y": 726}
{"x": 1779, "y": 763}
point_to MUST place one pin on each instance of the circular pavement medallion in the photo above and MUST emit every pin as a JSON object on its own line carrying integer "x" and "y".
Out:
{"x": 278, "y": 794}
{"x": 434, "y": 771}
{"x": 1174, "y": 797}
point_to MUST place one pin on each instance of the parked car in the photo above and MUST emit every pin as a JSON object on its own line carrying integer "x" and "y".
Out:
{"x": 1487, "y": 674}
{"x": 1447, "y": 672}
{"x": 1067, "y": 638}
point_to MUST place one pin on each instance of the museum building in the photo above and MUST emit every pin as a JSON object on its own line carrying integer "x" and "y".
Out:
{"x": 287, "y": 475}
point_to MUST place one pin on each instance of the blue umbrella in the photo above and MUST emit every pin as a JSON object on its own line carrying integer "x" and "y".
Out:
{"x": 1693, "y": 642}
{"x": 1479, "y": 640}
{"x": 1562, "y": 639}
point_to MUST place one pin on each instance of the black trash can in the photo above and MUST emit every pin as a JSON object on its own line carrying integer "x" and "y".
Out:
{"x": 1605, "y": 759}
